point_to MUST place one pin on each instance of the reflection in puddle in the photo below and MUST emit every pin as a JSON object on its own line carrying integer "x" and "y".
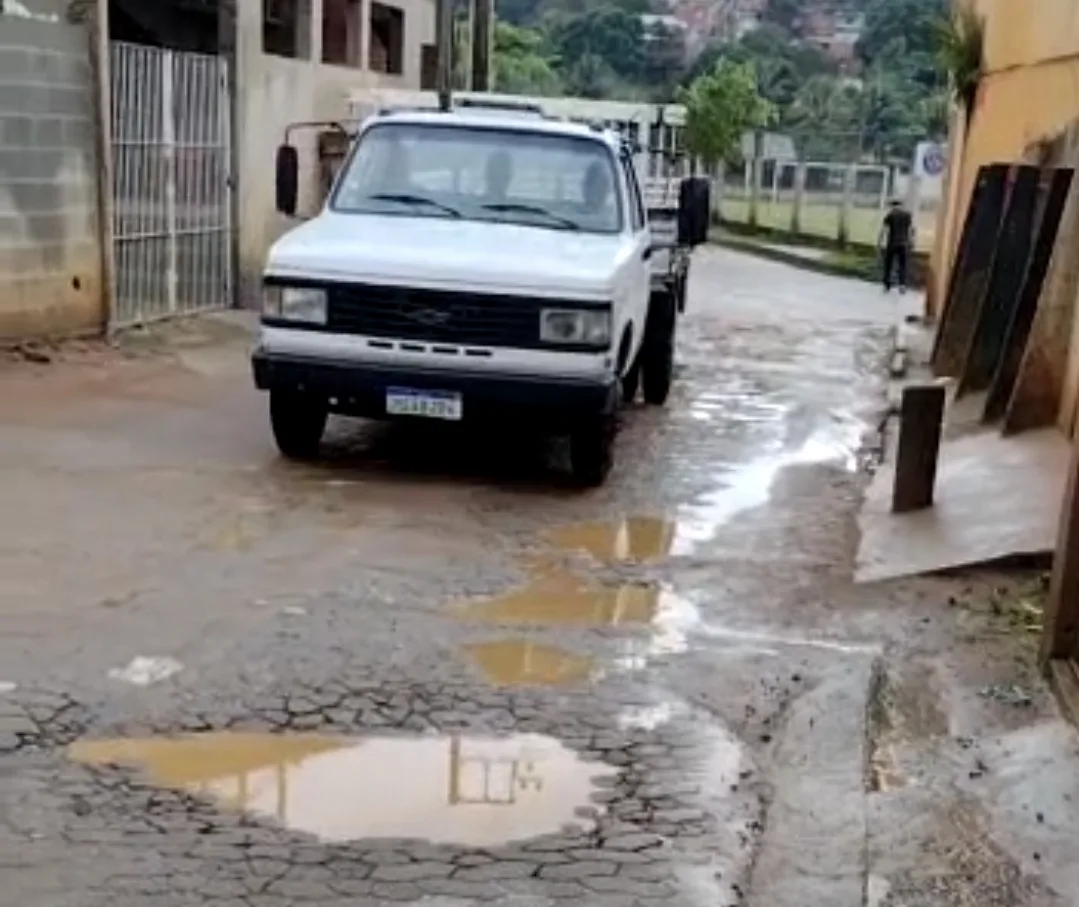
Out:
{"x": 641, "y": 539}
{"x": 558, "y": 598}
{"x": 555, "y": 597}
{"x": 524, "y": 663}
{"x": 633, "y": 540}
{"x": 477, "y": 792}
{"x": 750, "y": 486}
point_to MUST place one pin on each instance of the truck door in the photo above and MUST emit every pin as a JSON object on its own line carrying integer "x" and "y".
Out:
{"x": 641, "y": 265}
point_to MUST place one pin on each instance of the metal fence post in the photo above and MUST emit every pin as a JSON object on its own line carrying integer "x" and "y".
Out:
{"x": 168, "y": 151}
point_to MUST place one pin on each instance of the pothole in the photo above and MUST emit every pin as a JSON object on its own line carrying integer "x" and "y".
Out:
{"x": 448, "y": 789}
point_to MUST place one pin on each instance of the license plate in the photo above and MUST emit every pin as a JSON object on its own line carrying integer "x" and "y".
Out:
{"x": 445, "y": 405}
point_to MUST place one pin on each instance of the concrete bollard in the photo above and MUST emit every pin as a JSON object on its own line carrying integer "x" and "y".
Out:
{"x": 921, "y": 420}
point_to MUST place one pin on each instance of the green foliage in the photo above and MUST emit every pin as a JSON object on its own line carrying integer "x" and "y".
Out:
{"x": 721, "y": 106}
{"x": 960, "y": 47}
{"x": 909, "y": 55}
{"x": 523, "y": 64}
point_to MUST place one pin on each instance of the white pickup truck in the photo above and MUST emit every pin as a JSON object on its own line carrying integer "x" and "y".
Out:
{"x": 471, "y": 265}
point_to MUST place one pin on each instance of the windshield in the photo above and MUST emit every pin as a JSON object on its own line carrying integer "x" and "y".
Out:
{"x": 555, "y": 182}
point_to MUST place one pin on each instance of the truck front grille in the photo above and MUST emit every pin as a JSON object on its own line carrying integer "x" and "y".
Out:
{"x": 435, "y": 316}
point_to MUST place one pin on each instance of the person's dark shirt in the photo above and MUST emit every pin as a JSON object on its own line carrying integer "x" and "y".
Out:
{"x": 897, "y": 224}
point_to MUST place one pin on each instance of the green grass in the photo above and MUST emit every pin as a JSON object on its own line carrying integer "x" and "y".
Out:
{"x": 821, "y": 221}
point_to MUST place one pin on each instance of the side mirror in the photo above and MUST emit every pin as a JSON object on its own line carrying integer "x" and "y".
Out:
{"x": 694, "y": 210}
{"x": 287, "y": 179}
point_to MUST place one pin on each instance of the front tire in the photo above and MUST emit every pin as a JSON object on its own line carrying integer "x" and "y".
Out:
{"x": 298, "y": 422}
{"x": 592, "y": 451}
{"x": 657, "y": 356}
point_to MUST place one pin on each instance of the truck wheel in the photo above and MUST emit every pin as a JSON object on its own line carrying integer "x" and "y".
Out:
{"x": 657, "y": 356}
{"x": 298, "y": 421}
{"x": 591, "y": 451}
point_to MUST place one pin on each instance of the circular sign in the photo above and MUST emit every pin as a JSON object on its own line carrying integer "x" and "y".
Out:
{"x": 933, "y": 161}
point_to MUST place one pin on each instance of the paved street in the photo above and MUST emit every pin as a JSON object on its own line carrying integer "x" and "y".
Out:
{"x": 427, "y": 670}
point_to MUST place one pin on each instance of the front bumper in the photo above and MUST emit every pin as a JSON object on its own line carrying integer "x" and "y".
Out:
{"x": 358, "y": 389}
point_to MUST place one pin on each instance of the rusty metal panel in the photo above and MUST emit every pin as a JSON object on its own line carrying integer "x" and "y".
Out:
{"x": 1014, "y": 243}
{"x": 970, "y": 274}
{"x": 1018, "y": 333}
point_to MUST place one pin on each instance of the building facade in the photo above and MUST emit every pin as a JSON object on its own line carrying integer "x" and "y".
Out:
{"x": 301, "y": 60}
{"x": 1027, "y": 111}
{"x": 50, "y": 241}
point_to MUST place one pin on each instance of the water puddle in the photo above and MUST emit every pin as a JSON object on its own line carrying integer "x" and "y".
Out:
{"x": 630, "y": 540}
{"x": 556, "y": 597}
{"x": 453, "y": 789}
{"x": 520, "y": 662}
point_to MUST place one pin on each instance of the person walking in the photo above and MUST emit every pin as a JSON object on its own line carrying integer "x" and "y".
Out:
{"x": 895, "y": 242}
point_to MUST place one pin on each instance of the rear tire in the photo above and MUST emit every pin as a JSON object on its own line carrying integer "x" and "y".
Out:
{"x": 657, "y": 356}
{"x": 592, "y": 451}
{"x": 298, "y": 421}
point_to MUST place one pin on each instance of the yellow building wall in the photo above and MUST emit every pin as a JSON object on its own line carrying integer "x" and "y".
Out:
{"x": 1029, "y": 94}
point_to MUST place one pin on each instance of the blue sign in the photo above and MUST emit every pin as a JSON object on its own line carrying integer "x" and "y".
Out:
{"x": 933, "y": 161}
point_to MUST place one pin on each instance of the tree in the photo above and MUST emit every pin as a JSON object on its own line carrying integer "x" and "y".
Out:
{"x": 913, "y": 21}
{"x": 522, "y": 63}
{"x": 960, "y": 49}
{"x": 786, "y": 14}
{"x": 607, "y": 32}
{"x": 721, "y": 106}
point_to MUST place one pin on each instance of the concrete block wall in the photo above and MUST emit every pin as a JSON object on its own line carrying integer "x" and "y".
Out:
{"x": 50, "y": 253}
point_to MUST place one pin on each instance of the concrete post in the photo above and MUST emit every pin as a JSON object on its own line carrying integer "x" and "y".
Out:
{"x": 921, "y": 421}
{"x": 249, "y": 218}
{"x": 843, "y": 233}
{"x": 99, "y": 61}
{"x": 755, "y": 178}
{"x": 799, "y": 197}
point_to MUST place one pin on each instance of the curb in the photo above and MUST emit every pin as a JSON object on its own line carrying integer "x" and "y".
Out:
{"x": 816, "y": 265}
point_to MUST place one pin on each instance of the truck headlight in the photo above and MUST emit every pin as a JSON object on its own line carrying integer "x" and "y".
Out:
{"x": 588, "y": 327}
{"x": 304, "y": 304}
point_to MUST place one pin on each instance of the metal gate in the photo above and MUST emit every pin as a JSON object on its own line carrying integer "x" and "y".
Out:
{"x": 171, "y": 195}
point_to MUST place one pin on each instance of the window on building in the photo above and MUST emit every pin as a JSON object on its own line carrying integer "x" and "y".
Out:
{"x": 341, "y": 32}
{"x": 428, "y": 67}
{"x": 286, "y": 28}
{"x": 387, "y": 39}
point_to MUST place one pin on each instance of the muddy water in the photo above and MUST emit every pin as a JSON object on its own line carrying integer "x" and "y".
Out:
{"x": 452, "y": 789}
{"x": 520, "y": 662}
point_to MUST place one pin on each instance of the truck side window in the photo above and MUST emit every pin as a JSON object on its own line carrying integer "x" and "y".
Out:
{"x": 636, "y": 206}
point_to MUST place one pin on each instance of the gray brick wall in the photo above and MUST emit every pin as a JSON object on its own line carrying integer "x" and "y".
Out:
{"x": 50, "y": 262}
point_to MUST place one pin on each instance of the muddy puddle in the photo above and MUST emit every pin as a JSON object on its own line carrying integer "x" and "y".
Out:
{"x": 453, "y": 789}
{"x": 556, "y": 597}
{"x": 520, "y": 662}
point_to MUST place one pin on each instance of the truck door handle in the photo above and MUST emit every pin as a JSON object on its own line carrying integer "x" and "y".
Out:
{"x": 646, "y": 254}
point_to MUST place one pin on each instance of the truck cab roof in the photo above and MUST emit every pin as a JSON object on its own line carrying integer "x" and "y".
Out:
{"x": 471, "y": 117}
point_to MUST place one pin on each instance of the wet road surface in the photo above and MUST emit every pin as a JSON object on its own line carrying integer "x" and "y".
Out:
{"x": 427, "y": 671}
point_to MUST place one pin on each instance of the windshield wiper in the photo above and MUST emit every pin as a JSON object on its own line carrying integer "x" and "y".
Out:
{"x": 510, "y": 208}
{"x": 408, "y": 199}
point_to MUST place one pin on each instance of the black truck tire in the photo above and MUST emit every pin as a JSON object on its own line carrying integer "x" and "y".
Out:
{"x": 657, "y": 353}
{"x": 298, "y": 422}
{"x": 591, "y": 451}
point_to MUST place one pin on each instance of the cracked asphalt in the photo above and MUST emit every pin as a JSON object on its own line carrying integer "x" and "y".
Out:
{"x": 425, "y": 670}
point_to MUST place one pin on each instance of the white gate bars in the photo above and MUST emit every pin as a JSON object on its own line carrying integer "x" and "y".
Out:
{"x": 171, "y": 195}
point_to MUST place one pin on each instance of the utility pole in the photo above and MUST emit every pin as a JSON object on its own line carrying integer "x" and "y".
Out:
{"x": 444, "y": 42}
{"x": 482, "y": 40}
